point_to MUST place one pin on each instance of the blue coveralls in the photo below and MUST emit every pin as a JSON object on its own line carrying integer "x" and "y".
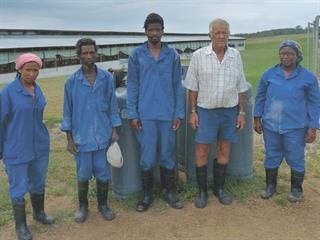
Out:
{"x": 90, "y": 113}
{"x": 288, "y": 107}
{"x": 25, "y": 140}
{"x": 155, "y": 96}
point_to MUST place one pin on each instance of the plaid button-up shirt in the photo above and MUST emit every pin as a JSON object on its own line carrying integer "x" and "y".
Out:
{"x": 217, "y": 83}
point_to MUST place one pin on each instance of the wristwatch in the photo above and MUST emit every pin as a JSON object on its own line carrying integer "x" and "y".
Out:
{"x": 242, "y": 113}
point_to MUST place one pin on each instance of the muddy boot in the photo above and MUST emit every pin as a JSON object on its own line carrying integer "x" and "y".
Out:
{"x": 168, "y": 184}
{"x": 22, "y": 230}
{"x": 147, "y": 182}
{"x": 271, "y": 183}
{"x": 82, "y": 213}
{"x": 37, "y": 201}
{"x": 296, "y": 194}
{"x": 219, "y": 175}
{"x": 102, "y": 196}
{"x": 202, "y": 195}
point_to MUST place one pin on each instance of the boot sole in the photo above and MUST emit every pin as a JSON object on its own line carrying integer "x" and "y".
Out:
{"x": 81, "y": 220}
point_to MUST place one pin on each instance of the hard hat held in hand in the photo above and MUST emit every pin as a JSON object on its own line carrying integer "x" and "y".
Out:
{"x": 114, "y": 155}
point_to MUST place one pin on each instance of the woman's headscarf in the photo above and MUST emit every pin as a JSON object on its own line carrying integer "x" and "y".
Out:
{"x": 293, "y": 45}
{"x": 26, "y": 58}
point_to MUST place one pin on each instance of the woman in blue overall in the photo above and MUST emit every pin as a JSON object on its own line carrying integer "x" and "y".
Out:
{"x": 286, "y": 111}
{"x": 25, "y": 142}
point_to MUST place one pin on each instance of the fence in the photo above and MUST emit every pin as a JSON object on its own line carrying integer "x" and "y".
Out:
{"x": 313, "y": 46}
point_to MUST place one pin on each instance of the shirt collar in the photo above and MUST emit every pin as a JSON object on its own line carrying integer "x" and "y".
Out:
{"x": 99, "y": 76}
{"x": 19, "y": 87}
{"x": 210, "y": 50}
{"x": 293, "y": 74}
{"x": 163, "y": 51}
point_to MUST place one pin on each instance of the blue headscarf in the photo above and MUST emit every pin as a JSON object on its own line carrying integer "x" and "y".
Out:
{"x": 293, "y": 45}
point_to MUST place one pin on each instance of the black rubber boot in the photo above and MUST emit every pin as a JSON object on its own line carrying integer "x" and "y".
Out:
{"x": 22, "y": 230}
{"x": 37, "y": 201}
{"x": 147, "y": 182}
{"x": 202, "y": 195}
{"x": 102, "y": 196}
{"x": 168, "y": 184}
{"x": 271, "y": 183}
{"x": 219, "y": 175}
{"x": 296, "y": 194}
{"x": 82, "y": 213}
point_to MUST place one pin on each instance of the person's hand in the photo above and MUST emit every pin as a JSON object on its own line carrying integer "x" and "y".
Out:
{"x": 136, "y": 124}
{"x": 241, "y": 121}
{"x": 258, "y": 125}
{"x": 114, "y": 136}
{"x": 311, "y": 135}
{"x": 72, "y": 148}
{"x": 176, "y": 124}
{"x": 194, "y": 120}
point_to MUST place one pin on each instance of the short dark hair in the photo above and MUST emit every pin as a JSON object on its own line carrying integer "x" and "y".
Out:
{"x": 85, "y": 42}
{"x": 153, "y": 18}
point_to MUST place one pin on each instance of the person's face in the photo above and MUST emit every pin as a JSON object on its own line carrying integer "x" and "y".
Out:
{"x": 88, "y": 56}
{"x": 154, "y": 33}
{"x": 219, "y": 36}
{"x": 29, "y": 73}
{"x": 288, "y": 57}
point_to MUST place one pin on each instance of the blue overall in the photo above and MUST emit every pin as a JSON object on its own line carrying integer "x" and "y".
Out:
{"x": 288, "y": 107}
{"x": 155, "y": 96}
{"x": 90, "y": 113}
{"x": 24, "y": 140}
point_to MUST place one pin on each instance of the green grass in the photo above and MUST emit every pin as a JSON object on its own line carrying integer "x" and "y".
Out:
{"x": 259, "y": 55}
{"x": 5, "y": 204}
{"x": 262, "y": 53}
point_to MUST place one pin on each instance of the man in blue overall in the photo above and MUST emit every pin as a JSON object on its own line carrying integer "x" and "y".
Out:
{"x": 90, "y": 118}
{"x": 155, "y": 106}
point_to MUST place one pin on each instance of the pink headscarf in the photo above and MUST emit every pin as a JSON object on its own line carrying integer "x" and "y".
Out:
{"x": 26, "y": 58}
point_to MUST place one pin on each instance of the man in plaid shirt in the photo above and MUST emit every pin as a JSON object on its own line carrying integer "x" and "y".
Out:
{"x": 216, "y": 83}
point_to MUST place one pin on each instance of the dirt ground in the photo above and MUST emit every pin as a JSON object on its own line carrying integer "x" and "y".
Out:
{"x": 257, "y": 219}
{"x": 252, "y": 220}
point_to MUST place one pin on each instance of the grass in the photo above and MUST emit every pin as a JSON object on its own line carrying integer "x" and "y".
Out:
{"x": 262, "y": 53}
{"x": 61, "y": 182}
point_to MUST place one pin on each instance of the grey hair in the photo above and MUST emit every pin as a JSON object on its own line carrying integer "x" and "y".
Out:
{"x": 217, "y": 21}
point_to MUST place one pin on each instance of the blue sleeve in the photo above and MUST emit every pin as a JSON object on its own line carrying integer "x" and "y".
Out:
{"x": 179, "y": 95}
{"x": 313, "y": 103}
{"x": 67, "y": 108}
{"x": 260, "y": 97}
{"x": 4, "y": 113}
{"x": 132, "y": 87}
{"x": 114, "y": 109}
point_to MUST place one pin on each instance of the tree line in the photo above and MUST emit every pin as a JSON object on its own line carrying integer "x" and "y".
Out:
{"x": 274, "y": 32}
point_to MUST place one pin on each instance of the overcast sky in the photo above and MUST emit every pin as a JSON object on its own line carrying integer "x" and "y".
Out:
{"x": 183, "y": 16}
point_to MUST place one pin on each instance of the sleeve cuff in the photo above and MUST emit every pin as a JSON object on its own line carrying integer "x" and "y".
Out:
{"x": 189, "y": 86}
{"x": 180, "y": 116}
{"x": 133, "y": 115}
{"x": 65, "y": 125}
{"x": 116, "y": 121}
{"x": 314, "y": 125}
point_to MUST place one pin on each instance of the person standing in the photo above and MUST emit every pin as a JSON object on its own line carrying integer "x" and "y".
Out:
{"x": 286, "y": 112}
{"x": 25, "y": 142}
{"x": 90, "y": 118}
{"x": 216, "y": 84}
{"x": 155, "y": 107}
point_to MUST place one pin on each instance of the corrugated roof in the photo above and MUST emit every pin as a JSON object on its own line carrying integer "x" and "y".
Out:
{"x": 34, "y": 41}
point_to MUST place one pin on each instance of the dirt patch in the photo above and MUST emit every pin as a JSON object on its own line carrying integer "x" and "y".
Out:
{"x": 257, "y": 219}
